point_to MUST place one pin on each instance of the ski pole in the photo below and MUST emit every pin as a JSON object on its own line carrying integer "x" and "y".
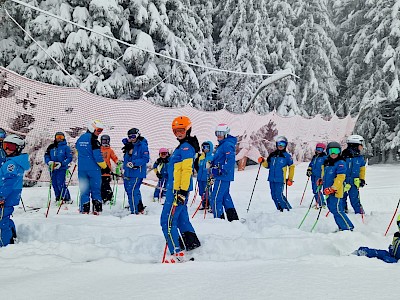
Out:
{"x": 23, "y": 205}
{"x": 251, "y": 197}
{"x": 390, "y": 224}
{"x": 316, "y": 221}
{"x": 195, "y": 192}
{"x": 49, "y": 195}
{"x": 309, "y": 208}
{"x": 302, "y": 197}
{"x": 66, "y": 189}
{"x": 165, "y": 253}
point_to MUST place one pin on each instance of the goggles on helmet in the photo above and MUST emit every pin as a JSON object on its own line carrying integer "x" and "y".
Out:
{"x": 205, "y": 147}
{"x": 333, "y": 151}
{"x": 133, "y": 136}
{"x": 163, "y": 153}
{"x": 281, "y": 144}
{"x": 60, "y": 137}
{"x": 9, "y": 146}
{"x": 220, "y": 133}
{"x": 319, "y": 149}
{"x": 179, "y": 131}
{"x": 99, "y": 130}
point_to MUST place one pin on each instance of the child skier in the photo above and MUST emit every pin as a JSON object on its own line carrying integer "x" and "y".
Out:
{"x": 314, "y": 171}
{"x": 160, "y": 167}
{"x": 108, "y": 155}
{"x": 203, "y": 176}
{"x": 58, "y": 156}
{"x": 334, "y": 174}
{"x": 278, "y": 162}
{"x": 390, "y": 256}
{"x": 11, "y": 178}
{"x": 222, "y": 171}
{"x": 355, "y": 175}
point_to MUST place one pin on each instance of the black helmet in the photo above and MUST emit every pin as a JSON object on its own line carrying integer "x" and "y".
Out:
{"x": 333, "y": 145}
{"x": 105, "y": 140}
{"x": 133, "y": 131}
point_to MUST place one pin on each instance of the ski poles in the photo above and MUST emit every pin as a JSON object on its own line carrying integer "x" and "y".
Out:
{"x": 195, "y": 192}
{"x": 302, "y": 197}
{"x": 309, "y": 208}
{"x": 66, "y": 189}
{"x": 390, "y": 224}
{"x": 251, "y": 197}
{"x": 49, "y": 195}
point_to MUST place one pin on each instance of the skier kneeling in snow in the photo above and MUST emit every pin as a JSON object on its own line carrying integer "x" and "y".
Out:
{"x": 175, "y": 215}
{"x": 11, "y": 176}
{"x": 391, "y": 256}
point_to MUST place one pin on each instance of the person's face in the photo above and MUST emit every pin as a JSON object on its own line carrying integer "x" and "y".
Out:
{"x": 180, "y": 133}
{"x": 360, "y": 147}
{"x": 132, "y": 138}
{"x": 206, "y": 148}
{"x": 98, "y": 131}
{"x": 163, "y": 154}
{"x": 333, "y": 156}
{"x": 281, "y": 145}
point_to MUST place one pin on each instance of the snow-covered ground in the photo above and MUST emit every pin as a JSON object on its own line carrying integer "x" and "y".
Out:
{"x": 117, "y": 256}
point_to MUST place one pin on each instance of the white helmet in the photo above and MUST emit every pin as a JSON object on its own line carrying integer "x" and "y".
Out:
{"x": 16, "y": 140}
{"x": 95, "y": 124}
{"x": 281, "y": 138}
{"x": 222, "y": 129}
{"x": 355, "y": 139}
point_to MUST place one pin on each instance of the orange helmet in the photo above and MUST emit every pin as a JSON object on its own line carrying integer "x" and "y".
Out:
{"x": 181, "y": 123}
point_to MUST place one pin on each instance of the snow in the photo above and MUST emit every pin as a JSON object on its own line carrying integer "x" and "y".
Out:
{"x": 115, "y": 255}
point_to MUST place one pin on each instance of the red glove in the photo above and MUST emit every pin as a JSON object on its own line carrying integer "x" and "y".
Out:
{"x": 320, "y": 181}
{"x": 261, "y": 159}
{"x": 289, "y": 182}
{"x": 329, "y": 191}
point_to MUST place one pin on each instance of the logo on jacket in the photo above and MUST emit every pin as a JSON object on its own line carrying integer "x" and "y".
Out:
{"x": 10, "y": 168}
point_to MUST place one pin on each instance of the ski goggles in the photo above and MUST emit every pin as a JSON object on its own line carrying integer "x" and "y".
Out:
{"x": 179, "y": 131}
{"x": 163, "y": 153}
{"x": 60, "y": 137}
{"x": 9, "y": 146}
{"x": 105, "y": 143}
{"x": 220, "y": 133}
{"x": 333, "y": 151}
{"x": 2, "y": 135}
{"x": 281, "y": 144}
{"x": 205, "y": 147}
{"x": 133, "y": 136}
{"x": 319, "y": 149}
{"x": 99, "y": 130}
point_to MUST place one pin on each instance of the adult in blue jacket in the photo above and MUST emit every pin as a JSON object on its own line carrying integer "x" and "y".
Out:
{"x": 315, "y": 169}
{"x": 203, "y": 173}
{"x": 355, "y": 175}
{"x": 90, "y": 163}
{"x": 222, "y": 170}
{"x": 58, "y": 157}
{"x": 278, "y": 162}
{"x": 334, "y": 175}
{"x": 3, "y": 155}
{"x": 174, "y": 219}
{"x": 11, "y": 179}
{"x": 136, "y": 157}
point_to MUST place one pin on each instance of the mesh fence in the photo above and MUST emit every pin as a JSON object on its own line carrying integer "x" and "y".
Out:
{"x": 37, "y": 110}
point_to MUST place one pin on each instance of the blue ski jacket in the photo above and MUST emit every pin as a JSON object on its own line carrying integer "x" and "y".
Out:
{"x": 59, "y": 152}
{"x": 224, "y": 158}
{"x": 89, "y": 153}
{"x": 140, "y": 157}
{"x": 202, "y": 174}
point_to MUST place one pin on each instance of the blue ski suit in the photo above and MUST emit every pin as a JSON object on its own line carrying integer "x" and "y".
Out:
{"x": 90, "y": 162}
{"x": 11, "y": 180}
{"x": 334, "y": 174}
{"x": 3, "y": 155}
{"x": 161, "y": 167}
{"x": 59, "y": 152}
{"x": 174, "y": 216}
{"x": 138, "y": 155}
{"x": 223, "y": 169}
{"x": 203, "y": 174}
{"x": 315, "y": 165}
{"x": 278, "y": 162}
{"x": 390, "y": 256}
{"x": 355, "y": 169}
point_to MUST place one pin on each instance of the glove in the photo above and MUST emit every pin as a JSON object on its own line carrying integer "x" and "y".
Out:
{"x": 181, "y": 196}
{"x": 347, "y": 187}
{"x": 51, "y": 164}
{"x": 320, "y": 181}
{"x": 106, "y": 170}
{"x": 261, "y": 160}
{"x": 289, "y": 182}
{"x": 359, "y": 182}
{"x": 158, "y": 174}
{"x": 215, "y": 171}
{"x": 309, "y": 172}
{"x": 329, "y": 191}
{"x": 210, "y": 181}
{"x": 124, "y": 141}
{"x": 57, "y": 165}
{"x": 130, "y": 165}
{"x": 2, "y": 203}
{"x": 362, "y": 183}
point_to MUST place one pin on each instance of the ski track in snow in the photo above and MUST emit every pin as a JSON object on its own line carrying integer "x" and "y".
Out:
{"x": 118, "y": 255}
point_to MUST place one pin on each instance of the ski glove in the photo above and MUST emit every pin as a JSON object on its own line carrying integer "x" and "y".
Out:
{"x": 106, "y": 170}
{"x": 289, "y": 182}
{"x": 362, "y": 183}
{"x": 2, "y": 203}
{"x": 51, "y": 165}
{"x": 210, "y": 181}
{"x": 329, "y": 191}
{"x": 309, "y": 172}
{"x": 131, "y": 165}
{"x": 158, "y": 174}
{"x": 320, "y": 181}
{"x": 347, "y": 187}
{"x": 57, "y": 165}
{"x": 359, "y": 182}
{"x": 181, "y": 196}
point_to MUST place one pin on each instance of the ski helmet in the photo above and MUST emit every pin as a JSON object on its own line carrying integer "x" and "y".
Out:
{"x": 59, "y": 135}
{"x": 355, "y": 139}
{"x": 222, "y": 130}
{"x": 163, "y": 150}
{"x": 14, "y": 143}
{"x": 321, "y": 145}
{"x": 181, "y": 124}
{"x": 333, "y": 145}
{"x": 133, "y": 133}
{"x": 95, "y": 125}
{"x": 105, "y": 140}
{"x": 281, "y": 141}
{"x": 3, "y": 134}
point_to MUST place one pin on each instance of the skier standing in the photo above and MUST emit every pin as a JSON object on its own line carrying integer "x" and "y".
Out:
{"x": 136, "y": 157}
{"x": 203, "y": 176}
{"x": 314, "y": 171}
{"x": 11, "y": 180}
{"x": 355, "y": 175}
{"x": 160, "y": 167}
{"x": 108, "y": 155}
{"x": 90, "y": 163}
{"x": 174, "y": 217}
{"x": 58, "y": 156}
{"x": 278, "y": 162}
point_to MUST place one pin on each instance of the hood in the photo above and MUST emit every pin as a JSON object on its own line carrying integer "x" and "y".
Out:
{"x": 211, "y": 148}
{"x": 21, "y": 160}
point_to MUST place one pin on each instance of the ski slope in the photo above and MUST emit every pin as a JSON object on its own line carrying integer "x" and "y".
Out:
{"x": 117, "y": 256}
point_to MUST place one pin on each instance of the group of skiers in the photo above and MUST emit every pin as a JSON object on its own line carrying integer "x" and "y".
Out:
{"x": 334, "y": 174}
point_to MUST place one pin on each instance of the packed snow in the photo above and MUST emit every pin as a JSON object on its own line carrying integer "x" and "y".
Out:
{"x": 265, "y": 256}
